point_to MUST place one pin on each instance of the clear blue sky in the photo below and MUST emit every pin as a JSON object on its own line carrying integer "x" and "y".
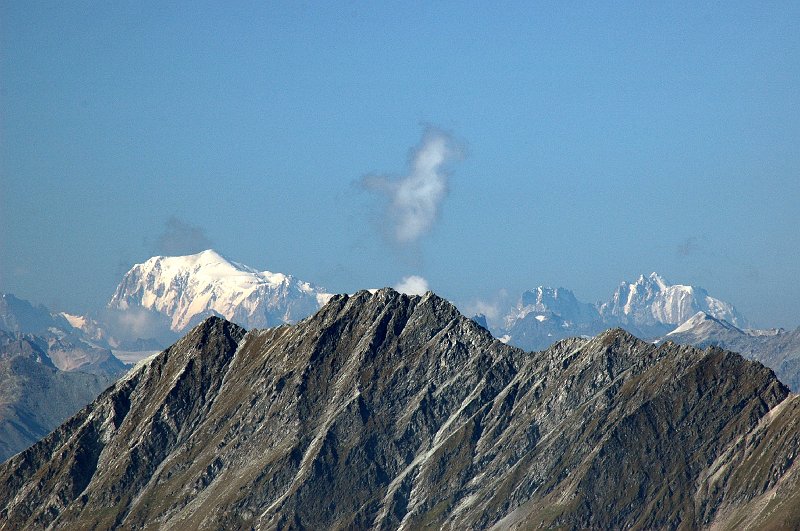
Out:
{"x": 595, "y": 143}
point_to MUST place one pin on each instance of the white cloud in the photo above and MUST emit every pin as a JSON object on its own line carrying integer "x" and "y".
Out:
{"x": 412, "y": 285}
{"x": 494, "y": 308}
{"x": 490, "y": 309}
{"x": 414, "y": 200}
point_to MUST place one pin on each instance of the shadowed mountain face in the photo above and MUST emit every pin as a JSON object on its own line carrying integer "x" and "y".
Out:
{"x": 35, "y": 396}
{"x": 388, "y": 411}
{"x": 42, "y": 364}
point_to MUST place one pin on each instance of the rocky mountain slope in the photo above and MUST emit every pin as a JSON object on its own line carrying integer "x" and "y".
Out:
{"x": 186, "y": 289}
{"x": 389, "y": 411}
{"x": 777, "y": 349}
{"x": 35, "y": 396}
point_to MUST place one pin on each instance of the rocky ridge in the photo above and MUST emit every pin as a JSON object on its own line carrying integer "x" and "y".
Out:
{"x": 35, "y": 395}
{"x": 777, "y": 349}
{"x": 389, "y": 411}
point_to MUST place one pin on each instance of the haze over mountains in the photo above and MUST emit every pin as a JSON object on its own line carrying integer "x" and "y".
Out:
{"x": 161, "y": 298}
{"x": 66, "y": 346}
{"x": 158, "y": 299}
{"x": 650, "y": 307}
{"x": 390, "y": 411}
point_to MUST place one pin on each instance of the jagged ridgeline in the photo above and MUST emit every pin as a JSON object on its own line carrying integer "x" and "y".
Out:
{"x": 389, "y": 411}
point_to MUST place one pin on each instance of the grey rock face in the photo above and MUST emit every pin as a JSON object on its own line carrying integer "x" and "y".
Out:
{"x": 389, "y": 411}
{"x": 779, "y": 349}
{"x": 35, "y": 396}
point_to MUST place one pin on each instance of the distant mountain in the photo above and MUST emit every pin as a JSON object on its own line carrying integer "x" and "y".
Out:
{"x": 35, "y": 395}
{"x": 651, "y": 302}
{"x": 649, "y": 307}
{"x": 389, "y": 411}
{"x": 777, "y": 349}
{"x": 68, "y": 347}
{"x": 20, "y": 316}
{"x": 703, "y": 330}
{"x": 187, "y": 289}
{"x": 545, "y": 303}
{"x": 544, "y": 315}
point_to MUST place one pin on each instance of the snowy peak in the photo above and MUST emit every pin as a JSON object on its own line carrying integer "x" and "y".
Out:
{"x": 654, "y": 278}
{"x": 544, "y": 303}
{"x": 652, "y": 300}
{"x": 189, "y": 288}
{"x": 649, "y": 307}
{"x": 703, "y": 322}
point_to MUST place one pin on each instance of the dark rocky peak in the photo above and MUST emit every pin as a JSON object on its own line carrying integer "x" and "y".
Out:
{"x": 391, "y": 411}
{"x": 481, "y": 320}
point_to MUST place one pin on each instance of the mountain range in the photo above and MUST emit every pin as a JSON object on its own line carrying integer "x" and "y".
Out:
{"x": 650, "y": 307}
{"x": 389, "y": 411}
{"x": 163, "y": 295}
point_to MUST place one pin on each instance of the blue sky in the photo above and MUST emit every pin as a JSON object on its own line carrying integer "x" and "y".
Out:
{"x": 589, "y": 144}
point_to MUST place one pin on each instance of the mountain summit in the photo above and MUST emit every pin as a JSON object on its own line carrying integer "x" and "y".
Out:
{"x": 649, "y": 307}
{"x": 653, "y": 301}
{"x": 392, "y": 411}
{"x": 187, "y": 289}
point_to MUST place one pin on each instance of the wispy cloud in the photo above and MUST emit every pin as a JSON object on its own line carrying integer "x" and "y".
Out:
{"x": 412, "y": 285}
{"x": 699, "y": 244}
{"x": 180, "y": 238}
{"x": 688, "y": 247}
{"x": 414, "y": 200}
{"x": 493, "y": 308}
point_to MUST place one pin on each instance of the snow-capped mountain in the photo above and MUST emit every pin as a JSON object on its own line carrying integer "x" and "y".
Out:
{"x": 544, "y": 303}
{"x": 187, "y": 289}
{"x": 652, "y": 301}
{"x": 544, "y": 315}
{"x": 702, "y": 329}
{"x": 649, "y": 308}
{"x": 778, "y": 349}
